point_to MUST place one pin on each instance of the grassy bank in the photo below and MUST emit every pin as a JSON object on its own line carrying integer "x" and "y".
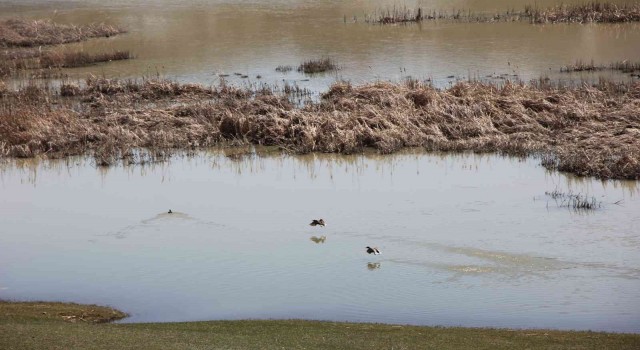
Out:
{"x": 44, "y": 326}
{"x": 586, "y": 130}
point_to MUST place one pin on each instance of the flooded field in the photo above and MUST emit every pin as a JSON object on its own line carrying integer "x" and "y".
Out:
{"x": 465, "y": 239}
{"x": 202, "y": 41}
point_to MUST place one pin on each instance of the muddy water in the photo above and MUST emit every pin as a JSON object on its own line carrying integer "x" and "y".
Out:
{"x": 465, "y": 240}
{"x": 195, "y": 40}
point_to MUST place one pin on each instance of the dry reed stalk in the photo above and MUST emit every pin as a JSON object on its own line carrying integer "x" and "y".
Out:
{"x": 586, "y": 130}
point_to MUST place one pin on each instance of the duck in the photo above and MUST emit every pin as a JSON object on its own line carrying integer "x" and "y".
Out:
{"x": 319, "y": 222}
{"x": 374, "y": 250}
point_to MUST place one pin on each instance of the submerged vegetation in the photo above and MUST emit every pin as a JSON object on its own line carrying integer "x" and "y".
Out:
{"x": 586, "y": 130}
{"x": 574, "y": 201}
{"x": 581, "y": 13}
{"x": 40, "y": 326}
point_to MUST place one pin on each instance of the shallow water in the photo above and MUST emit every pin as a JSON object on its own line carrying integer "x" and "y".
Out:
{"x": 197, "y": 41}
{"x": 466, "y": 240}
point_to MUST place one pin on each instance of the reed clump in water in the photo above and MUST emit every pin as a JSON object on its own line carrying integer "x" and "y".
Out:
{"x": 284, "y": 69}
{"x": 574, "y": 201}
{"x": 73, "y": 59}
{"x": 317, "y": 66}
{"x": 622, "y": 66}
{"x": 28, "y": 33}
{"x": 41, "y": 62}
{"x": 599, "y": 12}
{"x": 585, "y": 130}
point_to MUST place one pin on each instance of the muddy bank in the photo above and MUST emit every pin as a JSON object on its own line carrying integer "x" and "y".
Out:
{"x": 587, "y": 130}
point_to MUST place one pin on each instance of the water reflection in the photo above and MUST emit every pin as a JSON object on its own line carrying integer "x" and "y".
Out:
{"x": 317, "y": 240}
{"x": 373, "y": 266}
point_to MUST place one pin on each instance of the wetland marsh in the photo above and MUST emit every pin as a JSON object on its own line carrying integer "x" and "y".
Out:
{"x": 315, "y": 112}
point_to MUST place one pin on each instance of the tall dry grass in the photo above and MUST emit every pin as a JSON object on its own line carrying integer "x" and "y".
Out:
{"x": 71, "y": 59}
{"x": 598, "y": 12}
{"x": 29, "y": 33}
{"x": 586, "y": 130}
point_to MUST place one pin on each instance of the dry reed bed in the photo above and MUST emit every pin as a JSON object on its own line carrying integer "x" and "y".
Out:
{"x": 598, "y": 12}
{"x": 622, "y": 66}
{"x": 317, "y": 66}
{"x": 593, "y": 12}
{"x": 73, "y": 59}
{"x": 30, "y": 33}
{"x": 587, "y": 130}
{"x": 14, "y": 63}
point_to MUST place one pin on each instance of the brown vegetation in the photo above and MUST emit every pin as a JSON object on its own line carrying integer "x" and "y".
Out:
{"x": 317, "y": 66}
{"x": 583, "y": 13}
{"x": 29, "y": 33}
{"x": 18, "y": 39}
{"x": 41, "y": 62}
{"x": 622, "y": 66}
{"x": 79, "y": 58}
{"x": 586, "y": 130}
{"x": 600, "y": 12}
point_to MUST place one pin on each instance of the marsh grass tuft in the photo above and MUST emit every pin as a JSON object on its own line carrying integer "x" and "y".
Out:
{"x": 574, "y": 201}
{"x": 284, "y": 69}
{"x": 317, "y": 66}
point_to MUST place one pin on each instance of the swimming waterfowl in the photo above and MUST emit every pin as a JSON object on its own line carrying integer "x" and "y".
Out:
{"x": 373, "y": 250}
{"x": 319, "y": 222}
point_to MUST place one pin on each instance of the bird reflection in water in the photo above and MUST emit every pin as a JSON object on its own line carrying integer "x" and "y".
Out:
{"x": 317, "y": 240}
{"x": 373, "y": 266}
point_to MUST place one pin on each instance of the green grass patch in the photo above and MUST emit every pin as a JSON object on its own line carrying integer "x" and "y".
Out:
{"x": 47, "y": 326}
